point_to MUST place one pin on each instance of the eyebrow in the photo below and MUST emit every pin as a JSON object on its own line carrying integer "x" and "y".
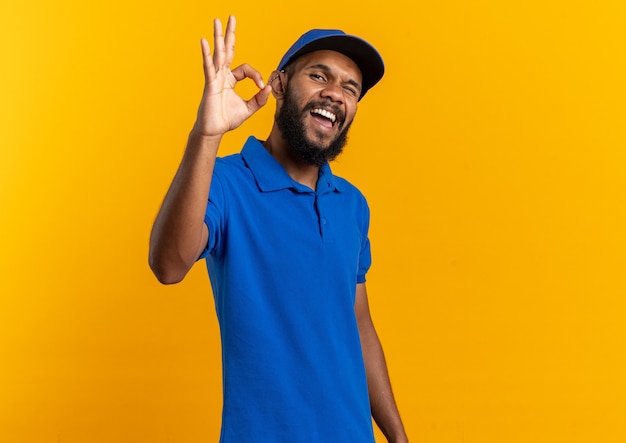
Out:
{"x": 327, "y": 68}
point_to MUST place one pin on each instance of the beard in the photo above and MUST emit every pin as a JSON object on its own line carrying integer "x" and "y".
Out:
{"x": 290, "y": 122}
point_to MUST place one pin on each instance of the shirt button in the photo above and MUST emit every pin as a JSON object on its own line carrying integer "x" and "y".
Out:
{"x": 323, "y": 221}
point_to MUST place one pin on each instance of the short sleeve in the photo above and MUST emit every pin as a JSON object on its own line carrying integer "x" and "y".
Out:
{"x": 365, "y": 254}
{"x": 214, "y": 217}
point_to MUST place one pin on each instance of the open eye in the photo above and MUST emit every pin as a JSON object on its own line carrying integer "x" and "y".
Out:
{"x": 317, "y": 76}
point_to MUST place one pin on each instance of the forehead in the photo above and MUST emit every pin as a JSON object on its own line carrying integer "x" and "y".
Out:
{"x": 337, "y": 62}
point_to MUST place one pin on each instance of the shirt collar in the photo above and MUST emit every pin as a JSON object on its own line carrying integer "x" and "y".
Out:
{"x": 270, "y": 175}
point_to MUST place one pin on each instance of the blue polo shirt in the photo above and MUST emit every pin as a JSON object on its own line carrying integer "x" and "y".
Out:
{"x": 284, "y": 261}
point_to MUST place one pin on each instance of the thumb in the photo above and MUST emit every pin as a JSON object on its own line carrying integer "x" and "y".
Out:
{"x": 260, "y": 99}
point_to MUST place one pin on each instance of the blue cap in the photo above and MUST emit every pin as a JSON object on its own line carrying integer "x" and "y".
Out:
{"x": 365, "y": 56}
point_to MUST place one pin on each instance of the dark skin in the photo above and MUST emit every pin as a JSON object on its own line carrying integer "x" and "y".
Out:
{"x": 179, "y": 233}
{"x": 325, "y": 77}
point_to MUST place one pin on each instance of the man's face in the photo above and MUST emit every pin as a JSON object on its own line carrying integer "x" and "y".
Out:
{"x": 320, "y": 102}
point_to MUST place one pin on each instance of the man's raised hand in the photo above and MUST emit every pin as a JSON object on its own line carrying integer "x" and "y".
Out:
{"x": 221, "y": 109}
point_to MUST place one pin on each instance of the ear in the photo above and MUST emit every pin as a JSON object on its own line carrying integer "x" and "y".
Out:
{"x": 277, "y": 82}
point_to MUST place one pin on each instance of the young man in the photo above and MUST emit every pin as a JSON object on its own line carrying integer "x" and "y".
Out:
{"x": 286, "y": 246}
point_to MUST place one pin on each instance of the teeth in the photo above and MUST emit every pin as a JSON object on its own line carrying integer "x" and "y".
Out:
{"x": 329, "y": 115}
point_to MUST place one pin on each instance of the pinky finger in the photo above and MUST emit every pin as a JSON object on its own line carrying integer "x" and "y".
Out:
{"x": 207, "y": 61}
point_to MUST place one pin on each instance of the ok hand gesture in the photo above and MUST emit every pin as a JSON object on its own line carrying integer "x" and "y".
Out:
{"x": 221, "y": 109}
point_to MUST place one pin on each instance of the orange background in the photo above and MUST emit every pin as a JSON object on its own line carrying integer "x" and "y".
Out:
{"x": 493, "y": 156}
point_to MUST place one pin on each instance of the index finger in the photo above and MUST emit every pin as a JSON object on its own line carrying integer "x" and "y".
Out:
{"x": 246, "y": 71}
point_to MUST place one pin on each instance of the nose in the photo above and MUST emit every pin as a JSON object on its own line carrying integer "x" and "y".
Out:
{"x": 333, "y": 91}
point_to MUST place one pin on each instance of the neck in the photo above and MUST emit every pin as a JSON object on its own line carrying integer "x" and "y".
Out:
{"x": 301, "y": 172}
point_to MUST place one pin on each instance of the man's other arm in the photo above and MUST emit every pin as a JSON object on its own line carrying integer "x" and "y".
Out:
{"x": 384, "y": 409}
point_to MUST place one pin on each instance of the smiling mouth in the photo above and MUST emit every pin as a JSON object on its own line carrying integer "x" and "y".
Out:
{"x": 325, "y": 117}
